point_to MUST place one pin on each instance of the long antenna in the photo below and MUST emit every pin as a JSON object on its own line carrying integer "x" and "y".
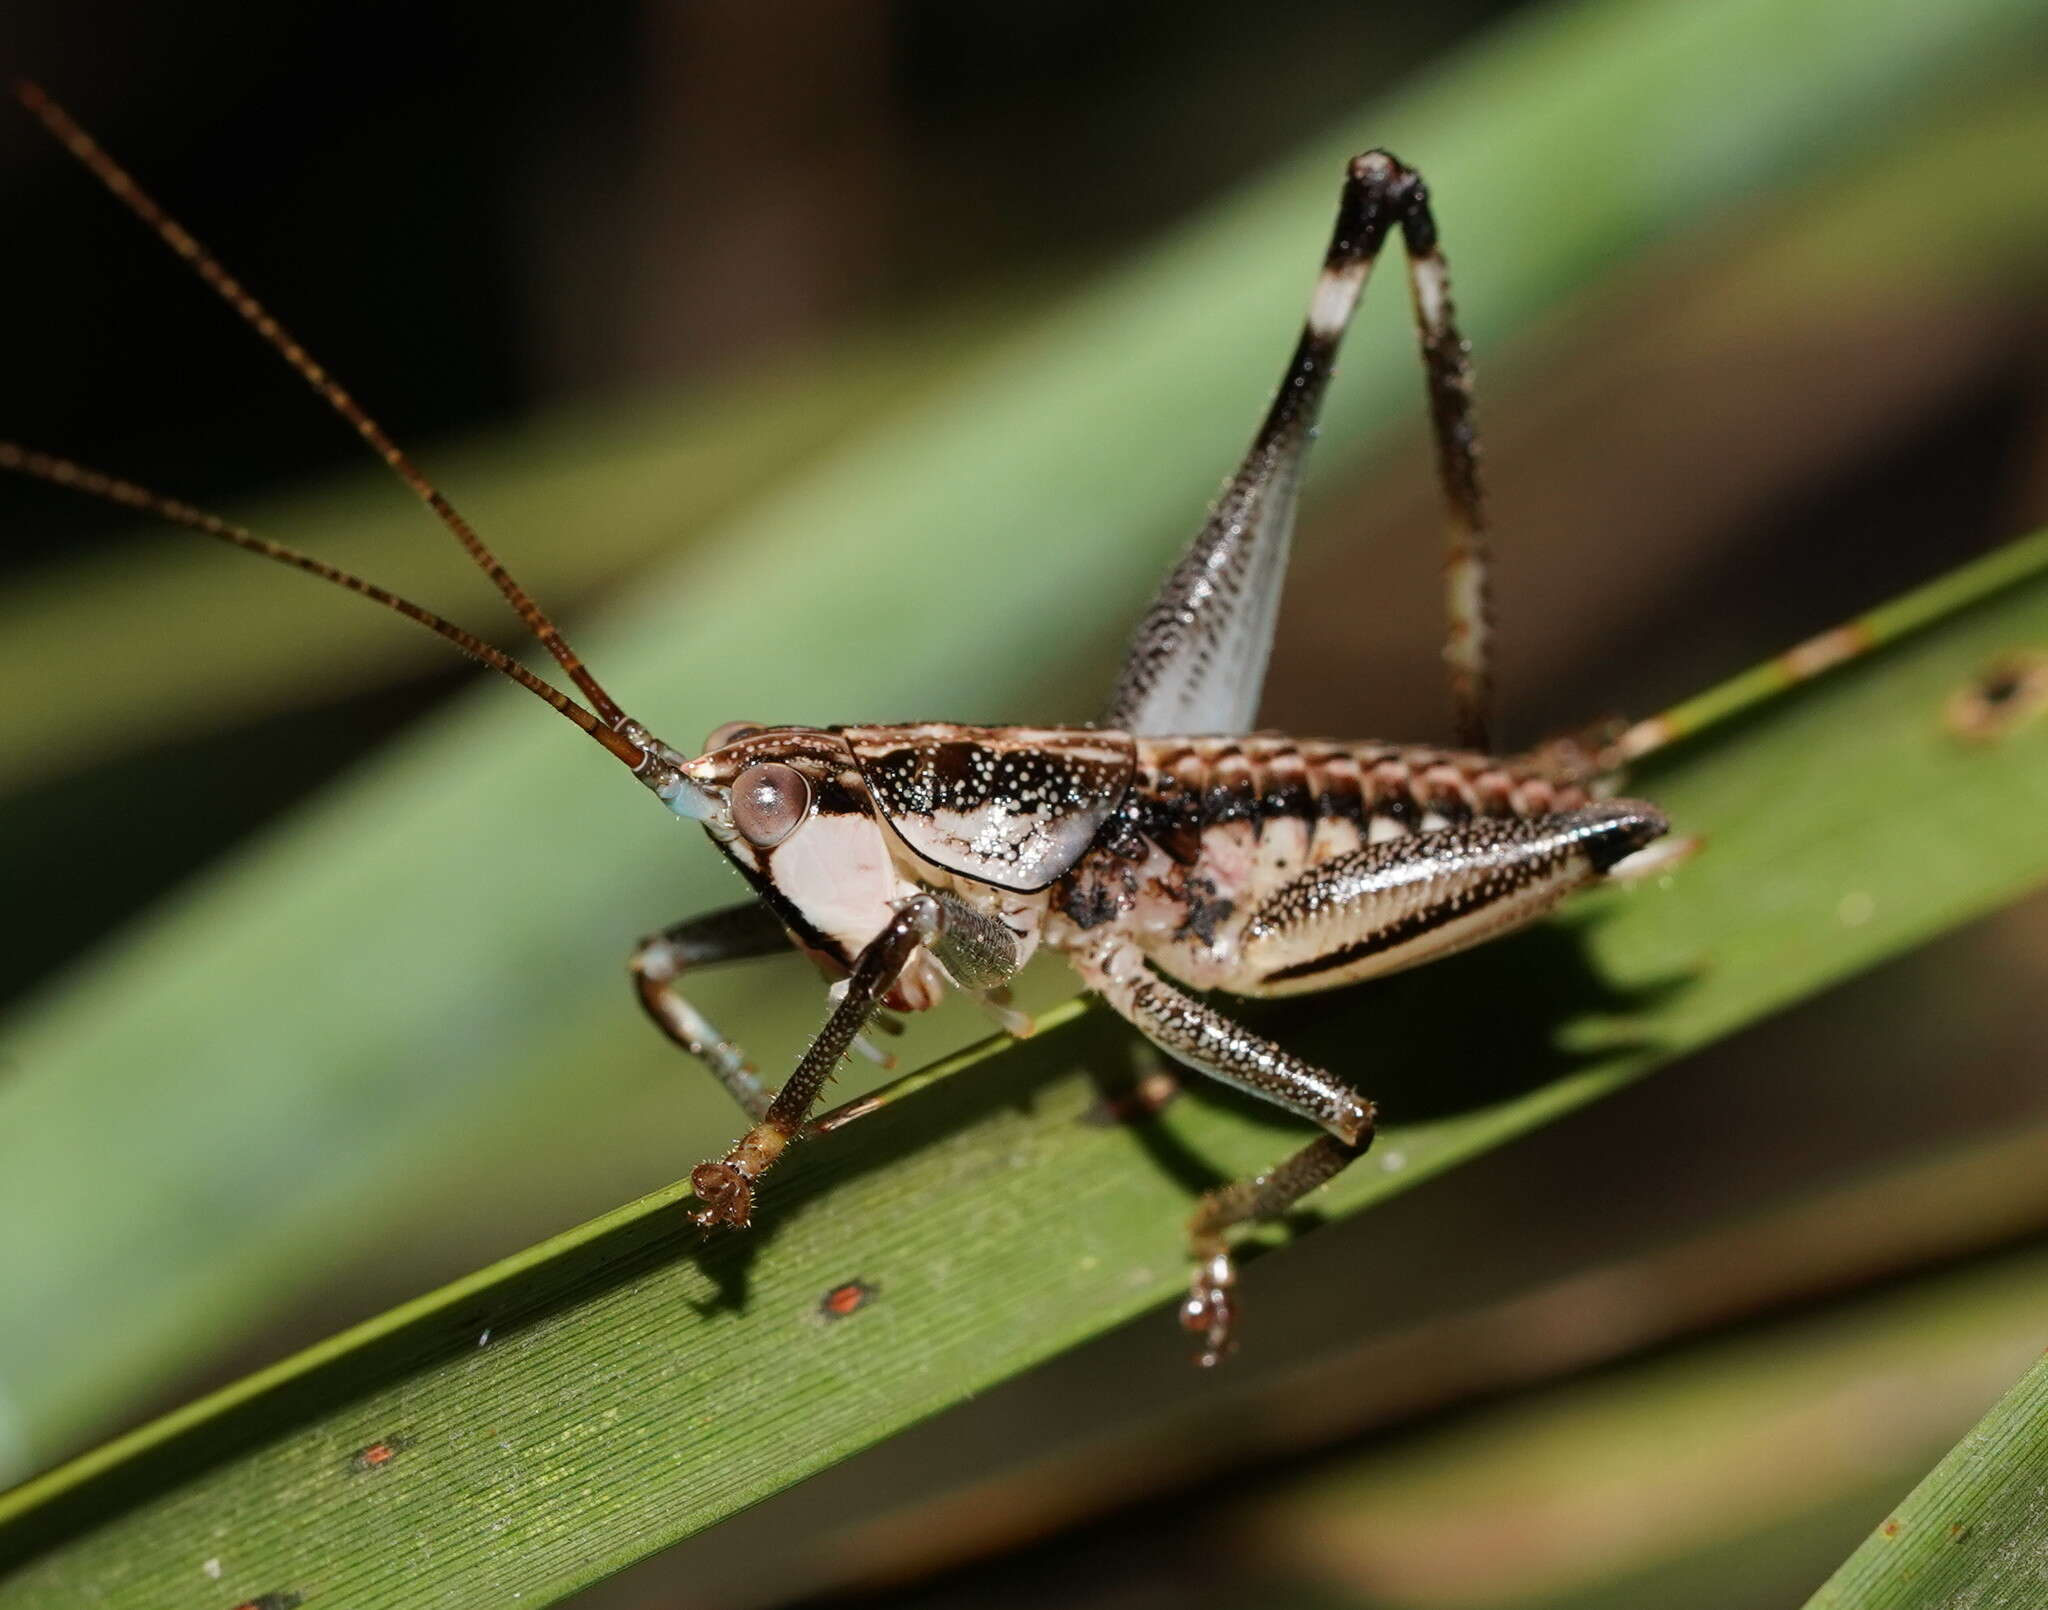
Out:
{"x": 62, "y": 472}
{"x": 123, "y": 187}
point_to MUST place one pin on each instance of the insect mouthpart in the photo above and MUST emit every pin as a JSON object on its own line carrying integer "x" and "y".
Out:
{"x": 664, "y": 771}
{"x": 694, "y": 802}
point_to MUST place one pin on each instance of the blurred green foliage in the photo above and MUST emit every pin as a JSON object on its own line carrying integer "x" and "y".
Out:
{"x": 277, "y": 1073}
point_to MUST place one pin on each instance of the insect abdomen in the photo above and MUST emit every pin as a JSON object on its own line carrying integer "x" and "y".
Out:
{"x": 1300, "y": 802}
{"x": 1215, "y": 827}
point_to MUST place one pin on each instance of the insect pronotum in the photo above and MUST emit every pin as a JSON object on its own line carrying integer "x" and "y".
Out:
{"x": 1165, "y": 850}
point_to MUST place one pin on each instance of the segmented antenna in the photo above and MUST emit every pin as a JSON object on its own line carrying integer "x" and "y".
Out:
{"x": 62, "y": 472}
{"x": 123, "y": 187}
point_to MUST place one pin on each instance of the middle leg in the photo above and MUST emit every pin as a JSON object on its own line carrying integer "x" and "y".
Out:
{"x": 738, "y": 933}
{"x": 1207, "y": 1041}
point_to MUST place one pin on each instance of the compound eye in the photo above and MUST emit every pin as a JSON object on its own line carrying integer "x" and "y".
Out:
{"x": 769, "y": 802}
{"x": 731, "y": 733}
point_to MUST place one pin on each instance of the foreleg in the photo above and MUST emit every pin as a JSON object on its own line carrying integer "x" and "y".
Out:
{"x": 726, "y": 1187}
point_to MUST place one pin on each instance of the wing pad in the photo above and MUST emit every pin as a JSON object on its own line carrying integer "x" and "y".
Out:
{"x": 1015, "y": 807}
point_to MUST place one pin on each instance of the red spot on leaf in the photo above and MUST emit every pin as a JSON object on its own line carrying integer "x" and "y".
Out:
{"x": 850, "y": 1298}
{"x": 377, "y": 1455}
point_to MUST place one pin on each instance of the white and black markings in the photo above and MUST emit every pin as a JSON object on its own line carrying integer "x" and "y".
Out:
{"x": 1015, "y": 807}
{"x": 1390, "y": 903}
{"x": 1168, "y": 847}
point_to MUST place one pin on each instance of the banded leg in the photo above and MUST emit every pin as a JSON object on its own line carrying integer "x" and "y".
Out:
{"x": 1207, "y": 1041}
{"x": 1198, "y": 659}
{"x": 726, "y": 1188}
{"x": 1447, "y": 372}
{"x": 738, "y": 933}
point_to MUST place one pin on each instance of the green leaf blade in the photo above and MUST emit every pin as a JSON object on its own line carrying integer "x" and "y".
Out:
{"x": 1975, "y": 1532}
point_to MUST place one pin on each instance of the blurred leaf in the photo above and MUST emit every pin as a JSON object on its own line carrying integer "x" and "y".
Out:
{"x": 629, "y": 483}
{"x": 554, "y": 1418}
{"x": 1677, "y": 1481}
{"x": 270, "y": 1072}
{"x": 1975, "y": 1532}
